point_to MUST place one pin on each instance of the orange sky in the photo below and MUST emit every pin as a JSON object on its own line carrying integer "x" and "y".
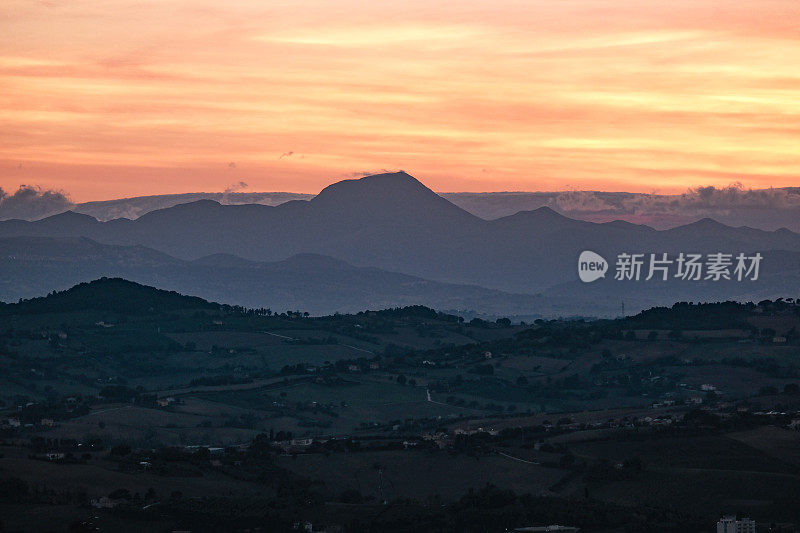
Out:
{"x": 113, "y": 98}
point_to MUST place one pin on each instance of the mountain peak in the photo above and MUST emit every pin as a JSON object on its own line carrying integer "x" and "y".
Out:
{"x": 197, "y": 209}
{"x": 624, "y": 224}
{"x": 389, "y": 195}
{"x": 704, "y": 224}
{"x": 311, "y": 260}
{"x": 198, "y": 205}
{"x": 224, "y": 260}
{"x": 542, "y": 215}
{"x": 68, "y": 217}
{"x": 381, "y": 185}
{"x": 547, "y": 211}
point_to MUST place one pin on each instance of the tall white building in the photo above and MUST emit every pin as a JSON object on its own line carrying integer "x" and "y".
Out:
{"x": 729, "y": 524}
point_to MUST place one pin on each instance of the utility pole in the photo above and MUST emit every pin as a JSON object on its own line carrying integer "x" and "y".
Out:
{"x": 380, "y": 484}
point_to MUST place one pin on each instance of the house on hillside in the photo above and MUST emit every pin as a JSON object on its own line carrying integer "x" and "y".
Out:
{"x": 729, "y": 524}
{"x": 547, "y": 529}
{"x": 165, "y": 402}
{"x": 442, "y": 440}
{"x": 295, "y": 445}
{"x": 105, "y": 503}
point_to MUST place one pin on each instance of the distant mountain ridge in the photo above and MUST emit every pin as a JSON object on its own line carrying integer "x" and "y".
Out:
{"x": 374, "y": 230}
{"x": 767, "y": 209}
{"x": 133, "y": 208}
{"x": 393, "y": 222}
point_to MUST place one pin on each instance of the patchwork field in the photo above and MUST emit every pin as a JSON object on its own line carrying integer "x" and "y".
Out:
{"x": 420, "y": 475}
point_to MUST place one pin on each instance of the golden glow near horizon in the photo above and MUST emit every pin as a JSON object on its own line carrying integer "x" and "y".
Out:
{"x": 123, "y": 98}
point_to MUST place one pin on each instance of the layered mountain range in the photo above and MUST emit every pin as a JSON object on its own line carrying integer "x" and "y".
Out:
{"x": 367, "y": 242}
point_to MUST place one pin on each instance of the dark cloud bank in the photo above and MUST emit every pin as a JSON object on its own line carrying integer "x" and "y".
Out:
{"x": 32, "y": 203}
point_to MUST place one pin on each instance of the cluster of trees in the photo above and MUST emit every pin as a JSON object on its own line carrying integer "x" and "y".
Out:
{"x": 115, "y": 295}
{"x": 790, "y": 389}
{"x": 688, "y": 315}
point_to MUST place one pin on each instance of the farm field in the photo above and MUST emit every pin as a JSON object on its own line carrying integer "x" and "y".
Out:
{"x": 755, "y": 494}
{"x": 773, "y": 441}
{"x": 420, "y": 474}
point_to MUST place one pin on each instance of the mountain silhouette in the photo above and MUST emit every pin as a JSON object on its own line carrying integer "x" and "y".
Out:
{"x": 394, "y": 223}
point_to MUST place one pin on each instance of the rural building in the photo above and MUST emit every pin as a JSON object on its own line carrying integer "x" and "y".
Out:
{"x": 462, "y": 431}
{"x": 105, "y": 503}
{"x": 547, "y": 529}
{"x": 729, "y": 524}
{"x": 165, "y": 402}
{"x": 295, "y": 445}
{"x": 442, "y": 440}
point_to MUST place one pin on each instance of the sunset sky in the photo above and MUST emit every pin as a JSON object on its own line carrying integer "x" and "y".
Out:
{"x": 112, "y": 98}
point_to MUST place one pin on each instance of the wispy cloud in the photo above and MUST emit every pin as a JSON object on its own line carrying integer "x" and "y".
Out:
{"x": 378, "y": 35}
{"x": 32, "y": 203}
{"x": 236, "y": 187}
{"x": 619, "y": 94}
